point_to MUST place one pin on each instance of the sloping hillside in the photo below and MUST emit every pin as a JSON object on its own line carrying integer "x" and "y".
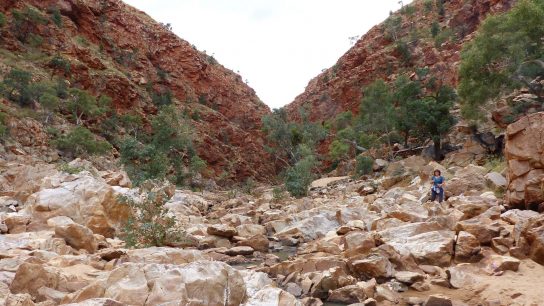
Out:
{"x": 422, "y": 34}
{"x": 113, "y": 49}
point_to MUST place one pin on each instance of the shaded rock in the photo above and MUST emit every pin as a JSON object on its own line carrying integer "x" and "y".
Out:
{"x": 77, "y": 236}
{"x": 373, "y": 266}
{"x": 497, "y": 263}
{"x": 467, "y": 248}
{"x": 438, "y": 300}
{"x": 348, "y": 294}
{"x": 469, "y": 178}
{"x": 272, "y": 296}
{"x": 239, "y": 250}
{"x": 258, "y": 243}
{"x": 221, "y": 230}
{"x": 460, "y": 276}
{"x": 496, "y": 180}
{"x": 250, "y": 230}
{"x": 408, "y": 277}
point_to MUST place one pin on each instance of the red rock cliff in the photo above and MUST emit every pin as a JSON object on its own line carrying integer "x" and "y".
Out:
{"x": 374, "y": 56}
{"x": 118, "y": 50}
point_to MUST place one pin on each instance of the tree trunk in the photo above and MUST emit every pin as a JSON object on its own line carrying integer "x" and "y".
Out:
{"x": 437, "y": 149}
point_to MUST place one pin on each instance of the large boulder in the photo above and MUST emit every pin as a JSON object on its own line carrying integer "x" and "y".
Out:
{"x": 86, "y": 199}
{"x": 197, "y": 283}
{"x": 272, "y": 296}
{"x": 466, "y": 179}
{"x": 524, "y": 152}
{"x": 77, "y": 236}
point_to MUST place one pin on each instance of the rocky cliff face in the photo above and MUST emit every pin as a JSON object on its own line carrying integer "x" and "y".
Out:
{"x": 377, "y": 55}
{"x": 117, "y": 50}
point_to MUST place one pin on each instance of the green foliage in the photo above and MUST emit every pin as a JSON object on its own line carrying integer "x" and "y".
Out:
{"x": 143, "y": 162}
{"x": 59, "y": 62}
{"x": 56, "y": 17}
{"x": 409, "y": 10}
{"x": 440, "y": 7}
{"x": 64, "y": 167}
{"x": 81, "y": 141}
{"x": 278, "y": 194}
{"x": 162, "y": 98}
{"x": 443, "y": 36}
{"x": 377, "y": 108}
{"x": 507, "y": 53}
{"x": 392, "y": 27}
{"x": 435, "y": 28}
{"x": 15, "y": 86}
{"x": 150, "y": 223}
{"x": 363, "y": 165}
{"x": 49, "y": 102}
{"x": 286, "y": 137}
{"x": 428, "y": 5}
{"x": 2, "y": 20}
{"x": 404, "y": 50}
{"x": 26, "y": 22}
{"x": 84, "y": 105}
{"x": 300, "y": 175}
{"x": 338, "y": 150}
{"x": 3, "y": 127}
{"x": 168, "y": 153}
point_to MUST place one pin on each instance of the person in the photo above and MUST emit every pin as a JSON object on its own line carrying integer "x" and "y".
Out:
{"x": 437, "y": 189}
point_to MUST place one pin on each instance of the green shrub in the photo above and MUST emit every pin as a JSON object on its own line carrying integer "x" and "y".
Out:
{"x": 2, "y": 20}
{"x": 363, "y": 165}
{"x": 81, "y": 141}
{"x": 59, "y": 62}
{"x": 428, "y": 5}
{"x": 167, "y": 153}
{"x": 56, "y": 17}
{"x": 150, "y": 224}
{"x": 442, "y": 37}
{"x": 277, "y": 194}
{"x": 338, "y": 150}
{"x": 248, "y": 186}
{"x": 143, "y": 162}
{"x": 15, "y": 86}
{"x": 162, "y": 98}
{"x": 26, "y": 22}
{"x": 70, "y": 169}
{"x": 505, "y": 54}
{"x": 3, "y": 127}
{"x": 82, "y": 104}
{"x": 300, "y": 176}
{"x": 435, "y": 28}
{"x": 404, "y": 50}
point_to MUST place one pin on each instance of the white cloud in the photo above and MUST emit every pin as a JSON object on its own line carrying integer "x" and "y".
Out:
{"x": 277, "y": 45}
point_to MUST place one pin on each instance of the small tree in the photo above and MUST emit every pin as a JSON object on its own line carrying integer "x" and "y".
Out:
{"x": 26, "y": 22}
{"x": 81, "y": 141}
{"x": 50, "y": 103}
{"x": 434, "y": 117}
{"x": 363, "y": 165}
{"x": 16, "y": 85}
{"x": 507, "y": 53}
{"x": 300, "y": 176}
{"x": 2, "y": 20}
{"x": 150, "y": 223}
{"x": 82, "y": 104}
{"x": 56, "y": 17}
{"x": 377, "y": 111}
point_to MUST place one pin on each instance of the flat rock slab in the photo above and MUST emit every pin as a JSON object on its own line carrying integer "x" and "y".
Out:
{"x": 326, "y": 181}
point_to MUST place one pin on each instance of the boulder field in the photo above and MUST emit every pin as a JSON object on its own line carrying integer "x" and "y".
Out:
{"x": 377, "y": 241}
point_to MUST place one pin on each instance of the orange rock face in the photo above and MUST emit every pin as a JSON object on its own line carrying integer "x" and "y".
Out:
{"x": 524, "y": 152}
{"x": 117, "y": 50}
{"x": 339, "y": 88}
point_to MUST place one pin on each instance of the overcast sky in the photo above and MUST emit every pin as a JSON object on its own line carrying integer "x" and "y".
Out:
{"x": 277, "y": 45}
